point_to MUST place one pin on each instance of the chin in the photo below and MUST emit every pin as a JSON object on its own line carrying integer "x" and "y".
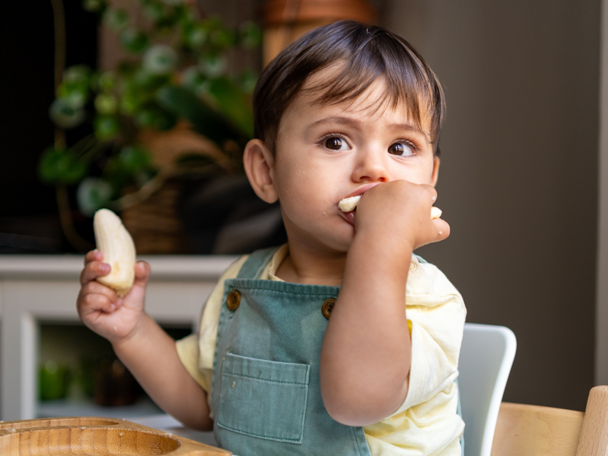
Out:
{"x": 342, "y": 242}
{"x": 335, "y": 237}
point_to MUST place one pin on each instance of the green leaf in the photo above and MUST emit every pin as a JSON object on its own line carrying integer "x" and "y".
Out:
{"x": 106, "y": 126}
{"x": 247, "y": 81}
{"x": 64, "y": 114}
{"x": 160, "y": 59}
{"x": 130, "y": 101}
{"x": 133, "y": 40}
{"x": 133, "y": 165}
{"x": 146, "y": 81}
{"x": 73, "y": 95}
{"x": 213, "y": 65}
{"x": 223, "y": 38}
{"x": 94, "y": 6}
{"x": 196, "y": 36}
{"x": 206, "y": 121}
{"x": 153, "y": 116}
{"x": 116, "y": 175}
{"x": 77, "y": 74}
{"x": 106, "y": 81}
{"x": 61, "y": 166}
{"x": 105, "y": 103}
{"x": 115, "y": 18}
{"x": 92, "y": 194}
{"x": 250, "y": 35}
{"x": 134, "y": 159}
{"x": 167, "y": 21}
{"x": 153, "y": 9}
{"x": 192, "y": 78}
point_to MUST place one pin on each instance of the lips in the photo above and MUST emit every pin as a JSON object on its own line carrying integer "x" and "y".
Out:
{"x": 350, "y": 216}
{"x": 361, "y": 190}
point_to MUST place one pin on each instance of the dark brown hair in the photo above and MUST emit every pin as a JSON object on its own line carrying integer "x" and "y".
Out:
{"x": 366, "y": 53}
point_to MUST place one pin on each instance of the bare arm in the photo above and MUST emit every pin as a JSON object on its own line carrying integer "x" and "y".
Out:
{"x": 151, "y": 356}
{"x": 145, "y": 349}
{"x": 365, "y": 359}
{"x": 366, "y": 353}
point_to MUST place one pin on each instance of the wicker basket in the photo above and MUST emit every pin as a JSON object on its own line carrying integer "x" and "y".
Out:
{"x": 155, "y": 224}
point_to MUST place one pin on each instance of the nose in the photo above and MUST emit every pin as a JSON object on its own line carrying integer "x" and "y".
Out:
{"x": 371, "y": 166}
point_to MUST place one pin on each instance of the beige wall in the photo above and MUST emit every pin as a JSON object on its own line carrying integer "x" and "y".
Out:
{"x": 601, "y": 354}
{"x": 518, "y": 181}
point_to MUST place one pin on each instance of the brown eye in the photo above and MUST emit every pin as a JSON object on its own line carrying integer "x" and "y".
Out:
{"x": 401, "y": 149}
{"x": 335, "y": 143}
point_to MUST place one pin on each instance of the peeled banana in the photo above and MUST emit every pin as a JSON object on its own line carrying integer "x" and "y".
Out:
{"x": 435, "y": 213}
{"x": 349, "y": 204}
{"x": 118, "y": 249}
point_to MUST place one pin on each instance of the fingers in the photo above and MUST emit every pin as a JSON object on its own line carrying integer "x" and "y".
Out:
{"x": 97, "y": 288}
{"x": 92, "y": 270}
{"x": 93, "y": 255}
{"x": 142, "y": 273}
{"x": 93, "y": 267}
{"x": 442, "y": 229}
{"x": 432, "y": 191}
{"x": 95, "y": 296}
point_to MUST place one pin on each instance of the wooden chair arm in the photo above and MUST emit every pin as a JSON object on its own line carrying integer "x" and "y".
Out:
{"x": 593, "y": 440}
{"x": 532, "y": 430}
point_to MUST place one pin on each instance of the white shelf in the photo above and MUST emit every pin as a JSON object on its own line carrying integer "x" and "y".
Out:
{"x": 64, "y": 408}
{"x": 35, "y": 289}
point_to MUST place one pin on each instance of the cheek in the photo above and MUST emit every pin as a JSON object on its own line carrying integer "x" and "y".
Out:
{"x": 305, "y": 195}
{"x": 420, "y": 173}
{"x": 303, "y": 178}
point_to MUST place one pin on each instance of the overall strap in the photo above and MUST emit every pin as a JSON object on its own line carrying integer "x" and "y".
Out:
{"x": 420, "y": 259}
{"x": 255, "y": 264}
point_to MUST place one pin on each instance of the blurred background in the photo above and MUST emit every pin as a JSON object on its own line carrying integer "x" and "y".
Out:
{"x": 143, "y": 107}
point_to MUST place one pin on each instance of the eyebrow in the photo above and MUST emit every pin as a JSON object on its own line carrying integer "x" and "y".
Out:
{"x": 354, "y": 122}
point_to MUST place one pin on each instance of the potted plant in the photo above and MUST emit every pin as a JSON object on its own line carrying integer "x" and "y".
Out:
{"x": 175, "y": 81}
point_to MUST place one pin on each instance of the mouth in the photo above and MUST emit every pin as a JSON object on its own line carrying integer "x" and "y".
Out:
{"x": 361, "y": 190}
{"x": 348, "y": 216}
{"x": 347, "y": 207}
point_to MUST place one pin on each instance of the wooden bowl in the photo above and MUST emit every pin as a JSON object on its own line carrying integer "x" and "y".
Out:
{"x": 93, "y": 436}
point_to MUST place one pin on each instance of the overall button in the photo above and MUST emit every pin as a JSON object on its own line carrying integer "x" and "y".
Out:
{"x": 234, "y": 300}
{"x": 327, "y": 307}
{"x": 413, "y": 265}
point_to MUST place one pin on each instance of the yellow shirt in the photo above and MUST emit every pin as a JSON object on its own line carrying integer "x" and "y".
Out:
{"x": 427, "y": 422}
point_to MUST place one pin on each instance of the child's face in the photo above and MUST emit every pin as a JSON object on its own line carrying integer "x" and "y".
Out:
{"x": 326, "y": 153}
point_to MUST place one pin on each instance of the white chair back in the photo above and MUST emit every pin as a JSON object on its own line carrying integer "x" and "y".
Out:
{"x": 486, "y": 358}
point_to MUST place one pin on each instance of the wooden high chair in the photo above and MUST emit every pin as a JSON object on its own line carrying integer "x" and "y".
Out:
{"x": 529, "y": 430}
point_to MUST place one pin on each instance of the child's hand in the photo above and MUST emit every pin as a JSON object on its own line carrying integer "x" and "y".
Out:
{"x": 101, "y": 309}
{"x": 400, "y": 211}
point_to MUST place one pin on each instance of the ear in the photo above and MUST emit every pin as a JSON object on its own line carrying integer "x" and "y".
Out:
{"x": 259, "y": 167}
{"x": 435, "y": 174}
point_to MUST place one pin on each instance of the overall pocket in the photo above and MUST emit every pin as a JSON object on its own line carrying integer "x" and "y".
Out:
{"x": 265, "y": 399}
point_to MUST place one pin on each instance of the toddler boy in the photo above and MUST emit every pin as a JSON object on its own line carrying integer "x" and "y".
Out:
{"x": 342, "y": 341}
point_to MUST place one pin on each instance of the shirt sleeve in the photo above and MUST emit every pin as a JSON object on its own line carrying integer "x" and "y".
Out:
{"x": 187, "y": 350}
{"x": 436, "y": 314}
{"x": 196, "y": 350}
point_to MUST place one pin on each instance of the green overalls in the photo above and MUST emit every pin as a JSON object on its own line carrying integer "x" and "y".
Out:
{"x": 266, "y": 393}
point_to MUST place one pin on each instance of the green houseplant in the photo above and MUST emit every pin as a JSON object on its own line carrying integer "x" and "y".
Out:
{"x": 176, "y": 71}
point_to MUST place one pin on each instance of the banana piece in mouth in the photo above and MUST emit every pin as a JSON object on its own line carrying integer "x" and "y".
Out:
{"x": 349, "y": 204}
{"x": 116, "y": 244}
